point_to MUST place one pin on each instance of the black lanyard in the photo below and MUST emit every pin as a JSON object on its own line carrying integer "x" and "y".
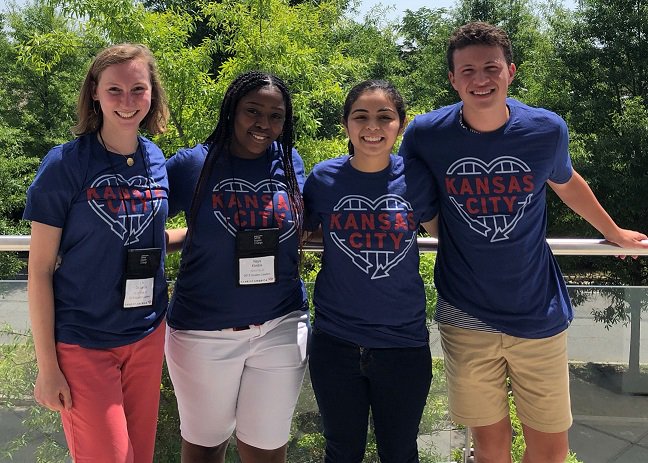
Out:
{"x": 149, "y": 181}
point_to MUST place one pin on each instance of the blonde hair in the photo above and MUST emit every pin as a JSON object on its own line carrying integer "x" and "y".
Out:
{"x": 90, "y": 119}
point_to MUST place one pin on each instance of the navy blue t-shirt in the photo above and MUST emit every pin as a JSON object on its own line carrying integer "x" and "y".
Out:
{"x": 369, "y": 290}
{"x": 493, "y": 261}
{"x": 104, "y": 207}
{"x": 240, "y": 194}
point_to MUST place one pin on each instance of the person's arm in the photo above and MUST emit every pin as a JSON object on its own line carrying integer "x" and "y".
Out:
{"x": 313, "y": 237}
{"x": 51, "y": 389}
{"x": 577, "y": 194}
{"x": 432, "y": 226}
{"x": 175, "y": 239}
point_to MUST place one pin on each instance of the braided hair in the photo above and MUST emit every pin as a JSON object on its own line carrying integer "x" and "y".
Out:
{"x": 220, "y": 140}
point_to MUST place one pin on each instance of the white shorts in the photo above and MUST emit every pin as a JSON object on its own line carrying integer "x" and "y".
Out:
{"x": 249, "y": 380}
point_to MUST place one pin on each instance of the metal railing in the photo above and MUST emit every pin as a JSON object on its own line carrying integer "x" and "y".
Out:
{"x": 14, "y": 243}
{"x": 559, "y": 246}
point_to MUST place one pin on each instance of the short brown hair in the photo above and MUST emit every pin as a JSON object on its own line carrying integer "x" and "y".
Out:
{"x": 478, "y": 33}
{"x": 89, "y": 119}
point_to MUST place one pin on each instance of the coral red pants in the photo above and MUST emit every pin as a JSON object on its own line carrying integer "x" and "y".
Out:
{"x": 115, "y": 397}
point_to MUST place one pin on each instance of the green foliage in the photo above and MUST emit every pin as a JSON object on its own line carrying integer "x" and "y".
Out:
{"x": 425, "y": 35}
{"x": 605, "y": 65}
{"x": 10, "y": 263}
{"x": 120, "y": 20}
{"x": 313, "y": 445}
{"x": 372, "y": 45}
{"x": 317, "y": 150}
{"x": 191, "y": 91}
{"x": 42, "y": 56}
{"x": 184, "y": 67}
{"x": 16, "y": 173}
{"x": 168, "y": 442}
{"x": 435, "y": 413}
{"x": 426, "y": 268}
{"x": 292, "y": 42}
{"x": 172, "y": 261}
{"x": 17, "y": 368}
{"x": 17, "y": 375}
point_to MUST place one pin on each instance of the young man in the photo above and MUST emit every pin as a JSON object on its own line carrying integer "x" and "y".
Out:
{"x": 503, "y": 306}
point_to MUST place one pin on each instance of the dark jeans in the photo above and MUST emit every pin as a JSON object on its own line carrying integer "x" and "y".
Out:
{"x": 348, "y": 380}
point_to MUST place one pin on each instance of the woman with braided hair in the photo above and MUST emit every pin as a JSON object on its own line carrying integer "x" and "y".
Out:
{"x": 238, "y": 318}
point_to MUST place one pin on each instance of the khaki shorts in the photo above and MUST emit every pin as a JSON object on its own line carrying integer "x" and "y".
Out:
{"x": 477, "y": 364}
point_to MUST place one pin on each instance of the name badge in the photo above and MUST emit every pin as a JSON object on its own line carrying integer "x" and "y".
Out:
{"x": 256, "y": 256}
{"x": 139, "y": 280}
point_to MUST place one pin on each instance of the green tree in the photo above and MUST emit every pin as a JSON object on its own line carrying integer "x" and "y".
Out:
{"x": 370, "y": 46}
{"x": 425, "y": 35}
{"x": 292, "y": 42}
{"x": 43, "y": 59}
{"x": 41, "y": 56}
{"x": 604, "y": 62}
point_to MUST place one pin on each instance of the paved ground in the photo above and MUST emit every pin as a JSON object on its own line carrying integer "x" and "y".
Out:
{"x": 11, "y": 427}
{"x": 609, "y": 426}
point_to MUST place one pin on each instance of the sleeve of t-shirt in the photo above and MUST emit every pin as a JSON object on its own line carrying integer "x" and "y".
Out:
{"x": 311, "y": 216}
{"x": 408, "y": 146}
{"x": 298, "y": 166}
{"x": 183, "y": 169}
{"x": 562, "y": 169}
{"x": 58, "y": 180}
{"x": 417, "y": 174}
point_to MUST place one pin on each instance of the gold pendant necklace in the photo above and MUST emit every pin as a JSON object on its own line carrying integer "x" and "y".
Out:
{"x": 130, "y": 160}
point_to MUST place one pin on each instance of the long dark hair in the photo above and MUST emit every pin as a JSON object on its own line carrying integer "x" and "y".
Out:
{"x": 369, "y": 86}
{"x": 220, "y": 140}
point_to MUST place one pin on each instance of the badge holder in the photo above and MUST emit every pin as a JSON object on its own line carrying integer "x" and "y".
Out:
{"x": 141, "y": 268}
{"x": 256, "y": 256}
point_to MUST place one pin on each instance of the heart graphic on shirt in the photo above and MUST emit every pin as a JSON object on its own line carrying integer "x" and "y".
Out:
{"x": 128, "y": 206}
{"x": 239, "y": 205}
{"x": 375, "y": 234}
{"x": 490, "y": 197}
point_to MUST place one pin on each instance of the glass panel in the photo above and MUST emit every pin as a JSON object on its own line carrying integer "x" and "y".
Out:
{"x": 13, "y": 306}
{"x": 608, "y": 349}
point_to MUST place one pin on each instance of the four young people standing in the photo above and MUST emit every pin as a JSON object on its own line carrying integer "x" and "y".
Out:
{"x": 238, "y": 323}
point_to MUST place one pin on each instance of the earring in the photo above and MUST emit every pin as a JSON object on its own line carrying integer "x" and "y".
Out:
{"x": 95, "y": 103}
